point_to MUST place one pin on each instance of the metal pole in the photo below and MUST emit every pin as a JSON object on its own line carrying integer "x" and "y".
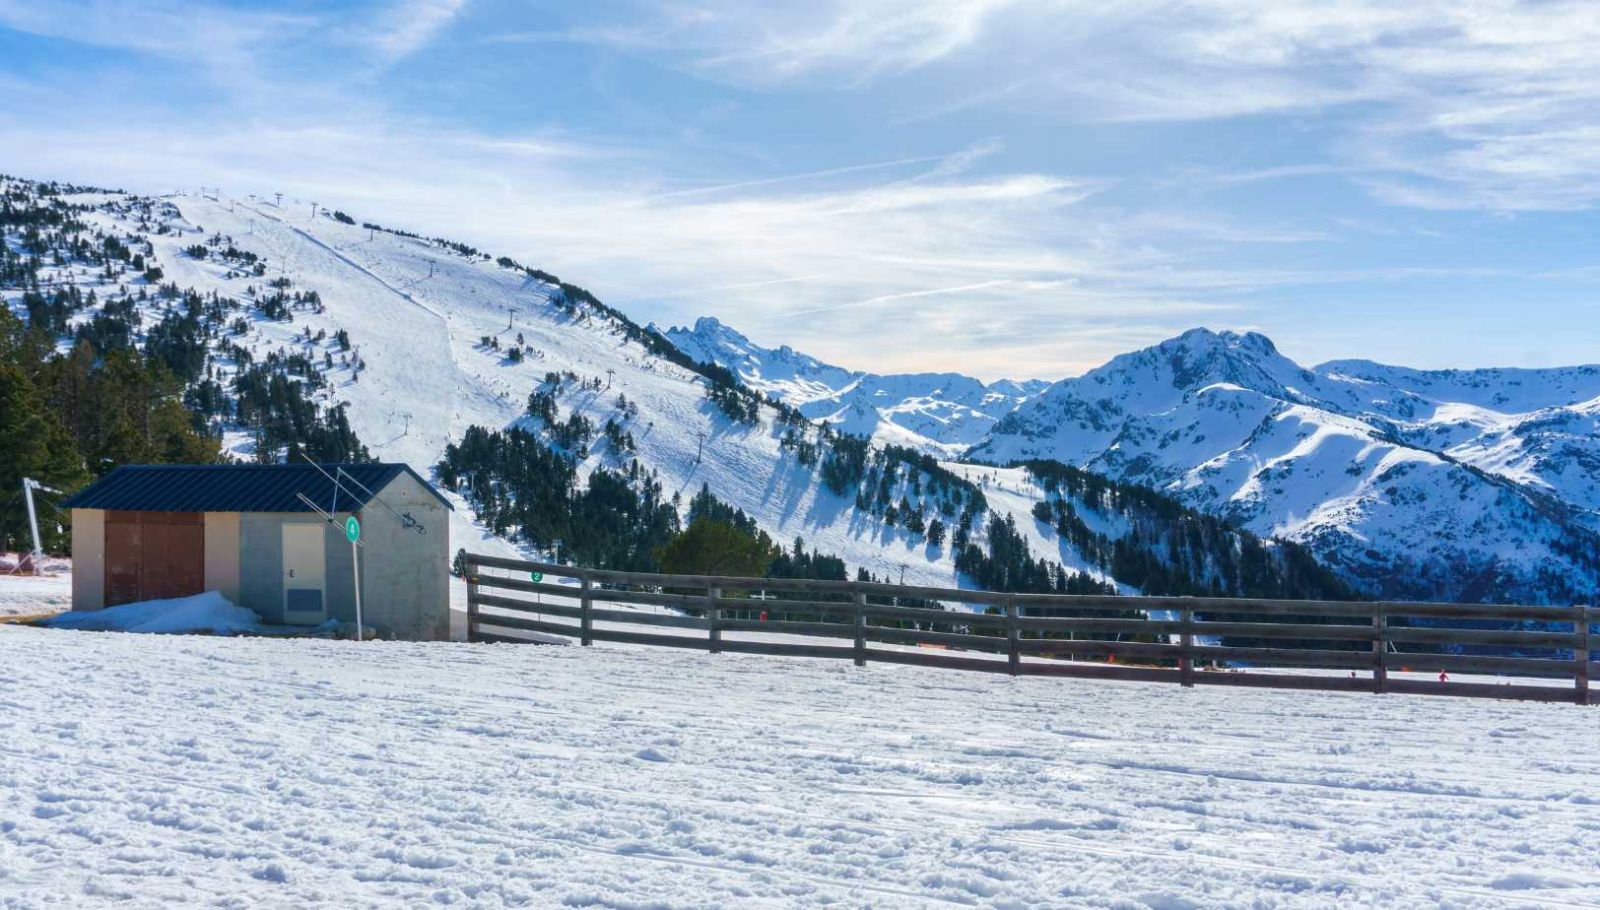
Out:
{"x": 355, "y": 573}
{"x": 28, "y": 486}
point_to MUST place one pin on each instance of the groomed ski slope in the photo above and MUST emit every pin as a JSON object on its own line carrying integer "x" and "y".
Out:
{"x": 148, "y": 770}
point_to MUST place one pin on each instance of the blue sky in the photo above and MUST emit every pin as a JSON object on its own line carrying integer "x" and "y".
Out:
{"x": 1000, "y": 187}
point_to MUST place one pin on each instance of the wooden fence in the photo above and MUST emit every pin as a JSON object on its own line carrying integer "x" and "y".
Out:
{"x": 1207, "y": 641}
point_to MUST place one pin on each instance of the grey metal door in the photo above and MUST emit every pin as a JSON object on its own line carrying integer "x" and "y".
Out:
{"x": 305, "y": 599}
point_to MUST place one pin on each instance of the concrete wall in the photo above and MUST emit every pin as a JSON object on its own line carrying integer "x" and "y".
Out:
{"x": 261, "y": 565}
{"x": 88, "y": 559}
{"x": 405, "y": 575}
{"x": 222, "y": 554}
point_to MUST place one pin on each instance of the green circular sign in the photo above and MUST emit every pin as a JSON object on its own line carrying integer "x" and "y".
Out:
{"x": 536, "y": 576}
{"x": 352, "y": 529}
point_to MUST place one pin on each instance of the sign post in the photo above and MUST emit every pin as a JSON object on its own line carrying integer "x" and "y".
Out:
{"x": 352, "y": 533}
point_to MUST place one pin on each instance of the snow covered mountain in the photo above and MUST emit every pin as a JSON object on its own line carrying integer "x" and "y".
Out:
{"x": 943, "y": 413}
{"x": 1436, "y": 484}
{"x": 526, "y": 396}
{"x": 1455, "y": 484}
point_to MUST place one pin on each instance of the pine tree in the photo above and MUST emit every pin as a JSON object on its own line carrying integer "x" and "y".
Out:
{"x": 33, "y": 442}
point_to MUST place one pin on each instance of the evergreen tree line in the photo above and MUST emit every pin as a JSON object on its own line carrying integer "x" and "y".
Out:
{"x": 794, "y": 562}
{"x": 523, "y": 489}
{"x": 1170, "y": 549}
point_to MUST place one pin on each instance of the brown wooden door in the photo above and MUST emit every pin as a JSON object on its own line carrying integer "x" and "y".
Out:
{"x": 154, "y": 555}
{"x": 122, "y": 558}
{"x": 173, "y": 562}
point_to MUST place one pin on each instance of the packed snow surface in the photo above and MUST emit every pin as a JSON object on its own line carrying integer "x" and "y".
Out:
{"x": 208, "y": 612}
{"x": 35, "y": 595}
{"x": 152, "y": 770}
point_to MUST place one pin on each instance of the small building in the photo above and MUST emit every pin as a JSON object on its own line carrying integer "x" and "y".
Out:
{"x": 255, "y": 534}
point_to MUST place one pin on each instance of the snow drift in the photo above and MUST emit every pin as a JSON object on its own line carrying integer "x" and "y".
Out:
{"x": 202, "y": 613}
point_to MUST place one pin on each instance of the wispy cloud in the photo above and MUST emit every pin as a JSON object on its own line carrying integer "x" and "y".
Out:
{"x": 791, "y": 178}
{"x": 924, "y": 206}
{"x": 934, "y": 253}
{"x": 1477, "y": 104}
{"x": 411, "y": 25}
{"x": 860, "y": 40}
{"x": 217, "y": 36}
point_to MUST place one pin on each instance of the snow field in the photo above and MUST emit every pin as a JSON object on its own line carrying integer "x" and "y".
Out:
{"x": 35, "y": 595}
{"x": 147, "y": 770}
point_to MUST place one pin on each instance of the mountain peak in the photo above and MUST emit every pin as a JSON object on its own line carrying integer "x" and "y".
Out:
{"x": 1202, "y": 338}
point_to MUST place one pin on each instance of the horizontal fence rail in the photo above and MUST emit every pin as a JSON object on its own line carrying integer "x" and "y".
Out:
{"x": 1544, "y": 652}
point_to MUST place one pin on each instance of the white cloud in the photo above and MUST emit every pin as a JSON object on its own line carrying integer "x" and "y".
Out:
{"x": 863, "y": 39}
{"x": 221, "y": 38}
{"x": 411, "y": 25}
{"x": 1492, "y": 102}
{"x": 1012, "y": 271}
{"x": 909, "y": 258}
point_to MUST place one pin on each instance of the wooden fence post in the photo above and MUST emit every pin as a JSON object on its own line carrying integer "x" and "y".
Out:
{"x": 1380, "y": 649}
{"x": 861, "y": 629}
{"x": 712, "y": 613}
{"x": 1581, "y": 678}
{"x": 585, "y": 611}
{"x": 1013, "y": 646}
{"x": 1186, "y": 647}
{"x": 470, "y": 571}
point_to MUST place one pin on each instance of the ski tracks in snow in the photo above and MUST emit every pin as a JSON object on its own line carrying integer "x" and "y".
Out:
{"x": 412, "y": 364}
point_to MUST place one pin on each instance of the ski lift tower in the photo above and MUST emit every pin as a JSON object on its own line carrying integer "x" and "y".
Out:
{"x": 28, "y": 486}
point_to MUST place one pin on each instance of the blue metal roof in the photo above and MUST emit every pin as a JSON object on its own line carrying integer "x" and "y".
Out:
{"x": 237, "y": 488}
